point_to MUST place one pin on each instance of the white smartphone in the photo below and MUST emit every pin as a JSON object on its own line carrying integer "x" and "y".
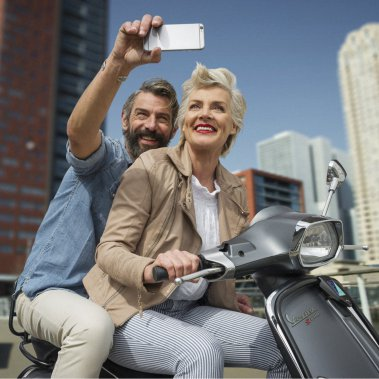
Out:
{"x": 176, "y": 37}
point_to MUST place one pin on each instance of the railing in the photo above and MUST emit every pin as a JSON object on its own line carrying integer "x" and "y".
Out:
{"x": 362, "y": 284}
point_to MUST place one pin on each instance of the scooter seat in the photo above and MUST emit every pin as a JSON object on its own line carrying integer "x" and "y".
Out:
{"x": 45, "y": 351}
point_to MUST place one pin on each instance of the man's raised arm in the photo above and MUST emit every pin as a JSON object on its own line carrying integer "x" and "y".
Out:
{"x": 86, "y": 118}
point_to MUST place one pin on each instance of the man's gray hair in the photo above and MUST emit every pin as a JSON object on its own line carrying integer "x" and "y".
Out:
{"x": 157, "y": 87}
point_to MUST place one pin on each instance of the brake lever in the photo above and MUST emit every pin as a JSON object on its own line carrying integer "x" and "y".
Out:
{"x": 198, "y": 274}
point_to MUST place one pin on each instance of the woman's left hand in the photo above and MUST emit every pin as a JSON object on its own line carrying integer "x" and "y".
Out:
{"x": 244, "y": 303}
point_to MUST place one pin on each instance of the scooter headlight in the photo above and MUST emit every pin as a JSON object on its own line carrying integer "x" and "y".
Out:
{"x": 320, "y": 242}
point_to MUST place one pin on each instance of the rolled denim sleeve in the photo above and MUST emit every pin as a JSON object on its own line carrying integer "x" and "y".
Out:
{"x": 92, "y": 163}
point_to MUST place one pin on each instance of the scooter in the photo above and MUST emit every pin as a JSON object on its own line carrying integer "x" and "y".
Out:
{"x": 319, "y": 329}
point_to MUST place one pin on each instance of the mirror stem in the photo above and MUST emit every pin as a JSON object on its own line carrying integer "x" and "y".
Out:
{"x": 356, "y": 247}
{"x": 332, "y": 190}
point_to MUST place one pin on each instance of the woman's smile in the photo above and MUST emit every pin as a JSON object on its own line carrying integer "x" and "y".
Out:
{"x": 205, "y": 129}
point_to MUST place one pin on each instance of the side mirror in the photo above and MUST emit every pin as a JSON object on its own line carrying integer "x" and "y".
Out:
{"x": 336, "y": 174}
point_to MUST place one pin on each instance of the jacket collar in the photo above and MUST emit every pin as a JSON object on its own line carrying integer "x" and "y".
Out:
{"x": 230, "y": 195}
{"x": 180, "y": 157}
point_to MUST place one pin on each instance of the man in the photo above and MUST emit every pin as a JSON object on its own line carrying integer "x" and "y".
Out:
{"x": 52, "y": 304}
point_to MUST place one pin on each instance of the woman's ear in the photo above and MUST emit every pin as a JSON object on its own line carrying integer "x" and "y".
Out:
{"x": 234, "y": 129}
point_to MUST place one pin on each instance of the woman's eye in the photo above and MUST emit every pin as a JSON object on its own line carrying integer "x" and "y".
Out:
{"x": 219, "y": 108}
{"x": 194, "y": 106}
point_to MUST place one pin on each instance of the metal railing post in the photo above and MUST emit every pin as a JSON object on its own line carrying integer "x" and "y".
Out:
{"x": 363, "y": 297}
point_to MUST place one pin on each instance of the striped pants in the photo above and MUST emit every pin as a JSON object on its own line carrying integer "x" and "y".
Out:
{"x": 186, "y": 340}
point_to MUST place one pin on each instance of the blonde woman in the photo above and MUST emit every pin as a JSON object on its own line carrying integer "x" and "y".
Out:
{"x": 177, "y": 202}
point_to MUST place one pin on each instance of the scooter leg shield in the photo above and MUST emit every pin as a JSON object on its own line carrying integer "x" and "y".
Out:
{"x": 319, "y": 336}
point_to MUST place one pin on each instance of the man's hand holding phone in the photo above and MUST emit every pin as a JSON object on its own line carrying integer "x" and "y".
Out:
{"x": 141, "y": 41}
{"x": 129, "y": 46}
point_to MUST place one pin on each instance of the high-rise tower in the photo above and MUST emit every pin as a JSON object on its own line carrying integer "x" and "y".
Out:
{"x": 358, "y": 61}
{"x": 49, "y": 52}
{"x": 296, "y": 156}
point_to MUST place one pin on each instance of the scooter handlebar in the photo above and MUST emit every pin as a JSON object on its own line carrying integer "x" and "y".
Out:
{"x": 160, "y": 274}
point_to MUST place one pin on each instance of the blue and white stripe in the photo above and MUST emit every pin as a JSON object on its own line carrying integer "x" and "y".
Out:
{"x": 185, "y": 340}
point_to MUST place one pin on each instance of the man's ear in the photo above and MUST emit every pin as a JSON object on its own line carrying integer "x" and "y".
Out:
{"x": 124, "y": 122}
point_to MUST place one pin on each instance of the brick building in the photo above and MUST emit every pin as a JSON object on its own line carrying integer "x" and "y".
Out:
{"x": 49, "y": 52}
{"x": 265, "y": 189}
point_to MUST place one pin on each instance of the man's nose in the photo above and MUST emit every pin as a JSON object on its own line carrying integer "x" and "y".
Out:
{"x": 151, "y": 123}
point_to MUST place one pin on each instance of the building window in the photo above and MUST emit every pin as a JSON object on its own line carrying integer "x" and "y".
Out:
{"x": 6, "y": 218}
{"x": 32, "y": 191}
{"x": 30, "y": 220}
{"x": 32, "y": 205}
{"x": 6, "y": 233}
{"x": 26, "y": 235}
{"x": 10, "y": 162}
{"x": 6, "y": 249}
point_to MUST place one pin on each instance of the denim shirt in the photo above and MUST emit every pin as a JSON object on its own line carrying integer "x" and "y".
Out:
{"x": 65, "y": 244}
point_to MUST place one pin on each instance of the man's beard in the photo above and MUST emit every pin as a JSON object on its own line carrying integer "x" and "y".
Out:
{"x": 132, "y": 141}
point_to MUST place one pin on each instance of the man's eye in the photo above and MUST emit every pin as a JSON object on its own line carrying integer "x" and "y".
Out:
{"x": 164, "y": 119}
{"x": 141, "y": 116}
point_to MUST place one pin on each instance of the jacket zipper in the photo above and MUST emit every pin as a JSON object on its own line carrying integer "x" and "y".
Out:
{"x": 244, "y": 212}
{"x": 189, "y": 216}
{"x": 139, "y": 290}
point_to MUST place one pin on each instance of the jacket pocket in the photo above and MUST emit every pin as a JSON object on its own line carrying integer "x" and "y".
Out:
{"x": 100, "y": 287}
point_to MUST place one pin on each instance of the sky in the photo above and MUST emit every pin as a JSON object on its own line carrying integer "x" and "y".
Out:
{"x": 283, "y": 52}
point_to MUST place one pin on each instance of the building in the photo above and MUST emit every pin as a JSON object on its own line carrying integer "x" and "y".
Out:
{"x": 294, "y": 155}
{"x": 358, "y": 64}
{"x": 49, "y": 52}
{"x": 284, "y": 155}
{"x": 265, "y": 189}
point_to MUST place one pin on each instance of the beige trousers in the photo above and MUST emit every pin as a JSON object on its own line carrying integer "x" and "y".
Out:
{"x": 82, "y": 329}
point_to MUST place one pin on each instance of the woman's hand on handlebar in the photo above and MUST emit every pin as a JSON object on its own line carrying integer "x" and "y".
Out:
{"x": 176, "y": 262}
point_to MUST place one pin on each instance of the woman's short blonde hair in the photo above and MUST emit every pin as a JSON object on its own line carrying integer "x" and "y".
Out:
{"x": 203, "y": 77}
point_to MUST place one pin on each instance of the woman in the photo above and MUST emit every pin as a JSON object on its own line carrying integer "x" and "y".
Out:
{"x": 177, "y": 202}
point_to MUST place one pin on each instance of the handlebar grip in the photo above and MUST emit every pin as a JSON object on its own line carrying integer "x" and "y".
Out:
{"x": 160, "y": 274}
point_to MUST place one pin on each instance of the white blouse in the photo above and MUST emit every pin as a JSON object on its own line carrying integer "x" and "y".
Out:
{"x": 206, "y": 211}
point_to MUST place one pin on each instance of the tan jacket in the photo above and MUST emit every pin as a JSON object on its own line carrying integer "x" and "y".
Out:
{"x": 153, "y": 212}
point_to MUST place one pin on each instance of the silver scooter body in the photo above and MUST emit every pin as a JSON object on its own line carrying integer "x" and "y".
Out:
{"x": 319, "y": 329}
